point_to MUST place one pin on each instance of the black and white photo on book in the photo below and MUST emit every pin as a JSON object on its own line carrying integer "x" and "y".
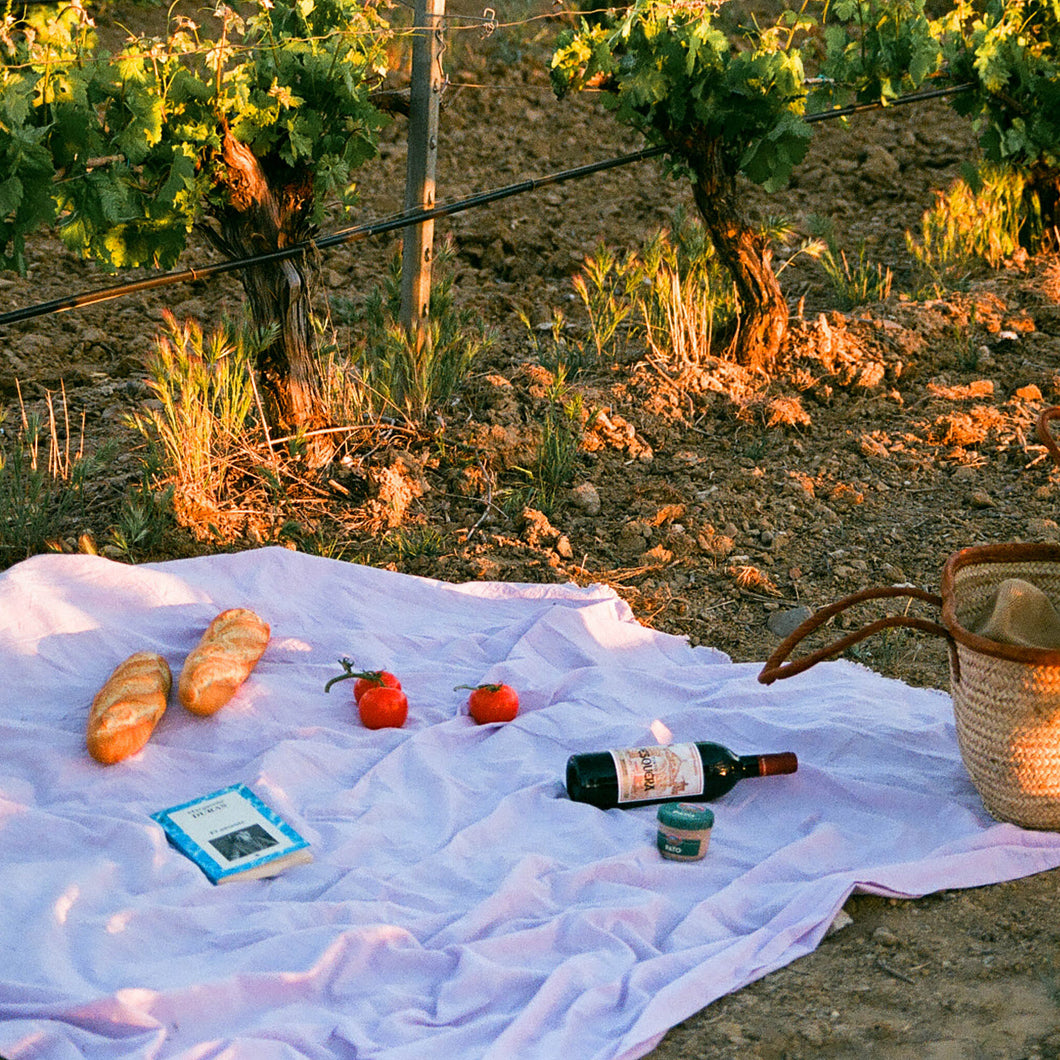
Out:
{"x": 232, "y": 834}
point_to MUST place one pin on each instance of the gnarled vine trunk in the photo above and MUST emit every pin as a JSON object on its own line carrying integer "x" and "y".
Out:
{"x": 263, "y": 215}
{"x": 1043, "y": 189}
{"x": 746, "y": 254}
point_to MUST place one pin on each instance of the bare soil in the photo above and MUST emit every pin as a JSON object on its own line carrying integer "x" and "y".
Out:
{"x": 895, "y": 434}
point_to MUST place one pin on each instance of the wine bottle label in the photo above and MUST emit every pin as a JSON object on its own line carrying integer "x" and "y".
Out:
{"x": 674, "y": 772}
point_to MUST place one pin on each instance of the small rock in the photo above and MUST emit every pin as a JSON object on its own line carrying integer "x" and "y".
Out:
{"x": 886, "y": 937}
{"x": 493, "y": 257}
{"x": 980, "y": 499}
{"x": 814, "y": 1031}
{"x": 1029, "y": 393}
{"x": 782, "y": 623}
{"x": 1043, "y": 529}
{"x": 633, "y": 538}
{"x": 730, "y": 1031}
{"x": 563, "y": 547}
{"x": 585, "y": 498}
{"x": 93, "y": 336}
{"x": 841, "y": 920}
{"x": 964, "y": 473}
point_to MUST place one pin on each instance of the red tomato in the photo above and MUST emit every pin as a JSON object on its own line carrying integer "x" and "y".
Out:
{"x": 374, "y": 679}
{"x": 488, "y": 703}
{"x": 383, "y": 707}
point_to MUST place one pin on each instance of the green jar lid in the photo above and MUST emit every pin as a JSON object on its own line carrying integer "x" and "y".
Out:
{"x": 689, "y": 815}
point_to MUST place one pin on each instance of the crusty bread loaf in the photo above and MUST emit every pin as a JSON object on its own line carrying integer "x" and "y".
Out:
{"x": 222, "y": 660}
{"x": 127, "y": 708}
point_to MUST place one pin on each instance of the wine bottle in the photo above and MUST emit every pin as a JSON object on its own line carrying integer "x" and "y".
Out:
{"x": 685, "y": 772}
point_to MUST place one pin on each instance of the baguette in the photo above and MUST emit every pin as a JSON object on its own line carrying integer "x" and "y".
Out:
{"x": 222, "y": 660}
{"x": 127, "y": 708}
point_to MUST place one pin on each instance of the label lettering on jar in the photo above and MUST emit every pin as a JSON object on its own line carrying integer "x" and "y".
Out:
{"x": 675, "y": 847}
{"x": 674, "y": 772}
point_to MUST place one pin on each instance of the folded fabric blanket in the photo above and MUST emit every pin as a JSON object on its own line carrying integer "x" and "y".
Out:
{"x": 458, "y": 902}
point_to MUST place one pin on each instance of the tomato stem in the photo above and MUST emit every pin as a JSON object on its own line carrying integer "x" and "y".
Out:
{"x": 375, "y": 676}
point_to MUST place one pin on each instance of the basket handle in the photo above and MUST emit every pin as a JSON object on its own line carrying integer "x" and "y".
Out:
{"x": 775, "y": 667}
{"x": 1045, "y": 436}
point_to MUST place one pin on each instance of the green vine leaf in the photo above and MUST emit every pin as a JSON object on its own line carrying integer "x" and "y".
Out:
{"x": 125, "y": 152}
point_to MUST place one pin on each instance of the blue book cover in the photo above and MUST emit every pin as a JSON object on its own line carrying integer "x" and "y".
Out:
{"x": 232, "y": 835}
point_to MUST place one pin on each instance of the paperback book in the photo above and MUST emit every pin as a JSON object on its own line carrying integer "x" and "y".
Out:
{"x": 232, "y": 835}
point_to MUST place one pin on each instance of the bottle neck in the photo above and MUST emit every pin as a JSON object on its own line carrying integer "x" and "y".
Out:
{"x": 770, "y": 765}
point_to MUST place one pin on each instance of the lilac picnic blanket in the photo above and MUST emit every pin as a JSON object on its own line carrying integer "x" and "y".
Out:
{"x": 458, "y": 904}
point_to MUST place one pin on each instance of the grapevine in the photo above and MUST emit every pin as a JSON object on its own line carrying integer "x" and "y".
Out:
{"x": 719, "y": 112}
{"x": 244, "y": 127}
{"x": 728, "y": 103}
{"x": 1009, "y": 50}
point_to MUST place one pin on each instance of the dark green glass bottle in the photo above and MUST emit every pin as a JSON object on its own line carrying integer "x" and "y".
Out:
{"x": 686, "y": 772}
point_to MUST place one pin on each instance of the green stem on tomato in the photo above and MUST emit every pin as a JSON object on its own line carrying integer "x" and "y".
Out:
{"x": 375, "y": 676}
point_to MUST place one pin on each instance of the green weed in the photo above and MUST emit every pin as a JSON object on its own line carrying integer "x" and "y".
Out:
{"x": 205, "y": 430}
{"x": 144, "y": 521}
{"x": 684, "y": 296}
{"x": 206, "y": 394}
{"x": 42, "y": 482}
{"x": 557, "y": 451}
{"x": 607, "y": 289}
{"x": 673, "y": 296}
{"x": 412, "y": 542}
{"x": 985, "y": 216}
{"x": 855, "y": 281}
{"x": 390, "y": 374}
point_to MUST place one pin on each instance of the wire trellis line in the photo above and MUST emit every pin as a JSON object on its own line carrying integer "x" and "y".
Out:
{"x": 343, "y": 236}
{"x": 405, "y": 220}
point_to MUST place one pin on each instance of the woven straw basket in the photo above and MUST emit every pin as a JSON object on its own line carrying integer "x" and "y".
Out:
{"x": 1006, "y": 698}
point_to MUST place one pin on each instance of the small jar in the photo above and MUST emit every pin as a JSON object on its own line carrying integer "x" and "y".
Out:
{"x": 684, "y": 830}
